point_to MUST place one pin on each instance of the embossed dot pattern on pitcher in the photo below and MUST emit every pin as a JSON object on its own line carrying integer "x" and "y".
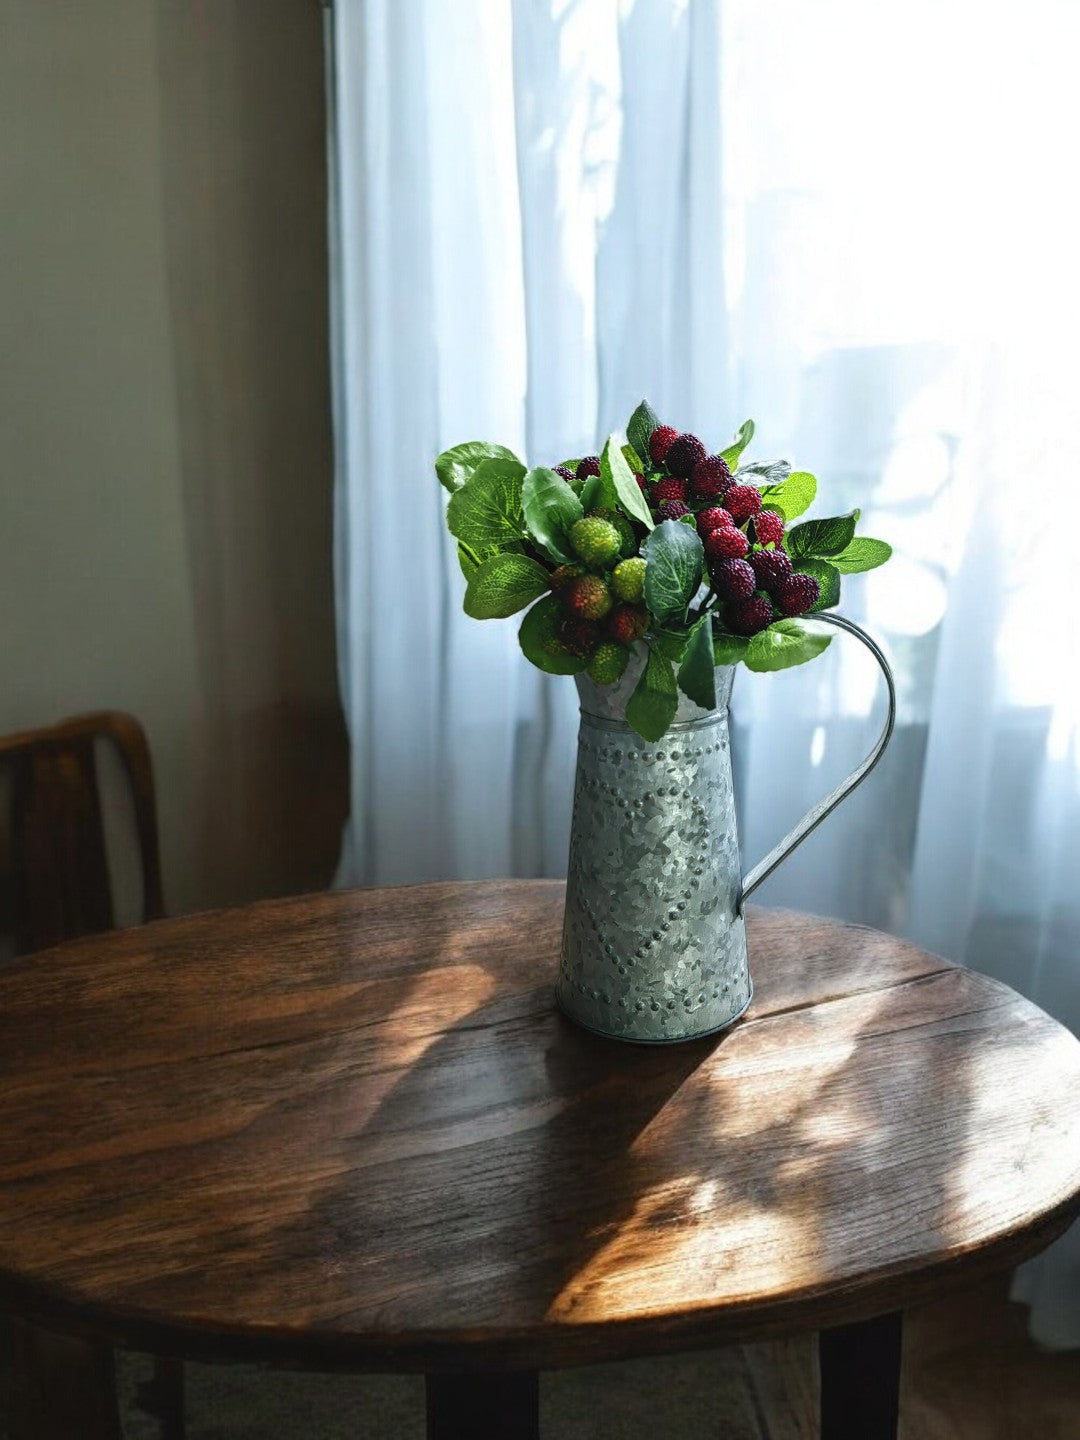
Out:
{"x": 653, "y": 948}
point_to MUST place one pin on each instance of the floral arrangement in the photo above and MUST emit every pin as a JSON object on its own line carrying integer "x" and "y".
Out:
{"x": 654, "y": 541}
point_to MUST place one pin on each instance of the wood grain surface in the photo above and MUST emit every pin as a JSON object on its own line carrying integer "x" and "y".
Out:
{"x": 352, "y": 1130}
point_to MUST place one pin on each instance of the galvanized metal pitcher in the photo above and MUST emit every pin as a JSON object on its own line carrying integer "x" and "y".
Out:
{"x": 654, "y": 946}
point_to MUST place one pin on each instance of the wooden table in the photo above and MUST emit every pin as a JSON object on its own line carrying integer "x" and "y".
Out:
{"x": 350, "y": 1131}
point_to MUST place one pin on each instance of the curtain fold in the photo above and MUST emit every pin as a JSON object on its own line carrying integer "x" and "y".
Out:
{"x": 823, "y": 217}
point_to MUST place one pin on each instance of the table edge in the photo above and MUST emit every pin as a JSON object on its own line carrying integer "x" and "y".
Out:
{"x": 554, "y": 1347}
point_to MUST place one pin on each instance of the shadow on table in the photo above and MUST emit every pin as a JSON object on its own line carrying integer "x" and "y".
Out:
{"x": 546, "y": 1177}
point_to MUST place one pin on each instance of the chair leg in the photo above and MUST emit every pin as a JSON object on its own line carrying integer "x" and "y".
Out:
{"x": 163, "y": 1396}
{"x": 63, "y": 1386}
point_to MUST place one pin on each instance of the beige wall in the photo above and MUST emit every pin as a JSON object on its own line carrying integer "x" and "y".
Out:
{"x": 165, "y": 534}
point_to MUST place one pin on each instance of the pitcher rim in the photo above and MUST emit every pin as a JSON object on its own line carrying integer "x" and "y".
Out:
{"x": 604, "y": 722}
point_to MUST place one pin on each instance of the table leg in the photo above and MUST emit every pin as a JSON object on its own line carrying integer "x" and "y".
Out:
{"x": 860, "y": 1379}
{"x": 163, "y": 1396}
{"x": 64, "y": 1386}
{"x": 479, "y": 1405}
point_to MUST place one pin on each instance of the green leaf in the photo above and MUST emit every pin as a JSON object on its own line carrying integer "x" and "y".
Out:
{"x": 674, "y": 560}
{"x": 619, "y": 485}
{"x": 457, "y": 465}
{"x": 862, "y": 554}
{"x": 671, "y": 643}
{"x": 633, "y": 459}
{"x": 551, "y": 507}
{"x": 468, "y": 560}
{"x": 742, "y": 440}
{"x": 504, "y": 585}
{"x": 642, "y": 423}
{"x": 651, "y": 708}
{"x": 771, "y": 471}
{"x": 487, "y": 510}
{"x": 591, "y": 494}
{"x": 537, "y": 640}
{"x": 791, "y": 496}
{"x": 697, "y": 674}
{"x": 828, "y": 578}
{"x": 783, "y": 644}
{"x": 729, "y": 649}
{"x": 821, "y": 537}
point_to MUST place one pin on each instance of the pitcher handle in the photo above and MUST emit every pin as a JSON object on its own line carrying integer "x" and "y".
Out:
{"x": 813, "y": 818}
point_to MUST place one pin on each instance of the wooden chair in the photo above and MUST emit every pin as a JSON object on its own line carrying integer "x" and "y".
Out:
{"x": 54, "y": 886}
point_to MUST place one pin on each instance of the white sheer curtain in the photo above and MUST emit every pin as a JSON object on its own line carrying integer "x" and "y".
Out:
{"x": 853, "y": 223}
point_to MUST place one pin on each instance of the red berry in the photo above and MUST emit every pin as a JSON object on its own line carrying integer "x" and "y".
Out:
{"x": 711, "y": 479}
{"x": 671, "y": 488}
{"x": 747, "y": 617}
{"x": 712, "y": 519}
{"x": 565, "y": 472}
{"x": 770, "y": 566}
{"x": 768, "y": 527}
{"x": 672, "y": 510}
{"x": 795, "y": 594}
{"x": 683, "y": 454}
{"x": 628, "y": 623}
{"x": 643, "y": 484}
{"x": 726, "y": 543}
{"x": 562, "y": 576}
{"x": 660, "y": 442}
{"x": 580, "y": 637}
{"x": 734, "y": 580}
{"x": 743, "y": 501}
{"x": 589, "y": 466}
{"x": 587, "y": 598}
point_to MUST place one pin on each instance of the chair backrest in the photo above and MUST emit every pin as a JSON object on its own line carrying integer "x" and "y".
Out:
{"x": 57, "y": 880}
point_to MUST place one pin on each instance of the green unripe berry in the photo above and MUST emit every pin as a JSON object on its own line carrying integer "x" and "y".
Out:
{"x": 608, "y": 663}
{"x": 628, "y": 580}
{"x": 595, "y": 540}
{"x": 627, "y": 539}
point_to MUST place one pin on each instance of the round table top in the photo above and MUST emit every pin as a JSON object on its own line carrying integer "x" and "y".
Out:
{"x": 352, "y": 1130}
